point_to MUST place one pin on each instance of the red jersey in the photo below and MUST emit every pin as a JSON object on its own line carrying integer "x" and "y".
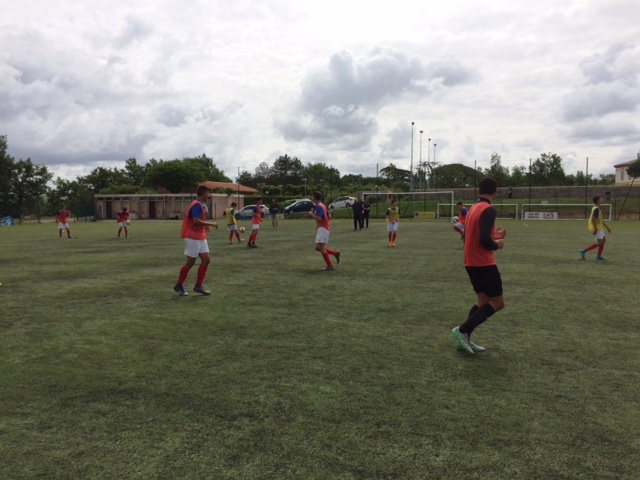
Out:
{"x": 63, "y": 216}
{"x": 190, "y": 229}
{"x": 476, "y": 254}
{"x": 321, "y": 211}
{"x": 123, "y": 216}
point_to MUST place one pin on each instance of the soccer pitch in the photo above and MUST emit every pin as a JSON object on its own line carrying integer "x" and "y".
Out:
{"x": 290, "y": 372}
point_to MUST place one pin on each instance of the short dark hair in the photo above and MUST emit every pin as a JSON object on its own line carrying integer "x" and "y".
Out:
{"x": 317, "y": 195}
{"x": 596, "y": 198}
{"x": 459, "y": 203}
{"x": 234, "y": 204}
{"x": 124, "y": 209}
{"x": 201, "y": 190}
{"x": 488, "y": 186}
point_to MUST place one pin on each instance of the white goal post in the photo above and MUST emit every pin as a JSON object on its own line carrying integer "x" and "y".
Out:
{"x": 562, "y": 211}
{"x": 420, "y": 200}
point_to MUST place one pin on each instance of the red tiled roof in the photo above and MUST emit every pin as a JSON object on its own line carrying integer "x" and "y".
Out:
{"x": 233, "y": 186}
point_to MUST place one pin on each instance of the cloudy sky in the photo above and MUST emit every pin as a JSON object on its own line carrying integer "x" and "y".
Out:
{"x": 86, "y": 83}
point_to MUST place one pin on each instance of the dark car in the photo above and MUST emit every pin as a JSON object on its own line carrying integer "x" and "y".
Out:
{"x": 299, "y": 207}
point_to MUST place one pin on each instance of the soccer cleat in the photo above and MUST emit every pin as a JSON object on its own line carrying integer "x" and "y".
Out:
{"x": 463, "y": 339}
{"x": 338, "y": 257}
{"x": 201, "y": 289}
{"x": 326, "y": 269}
{"x": 476, "y": 348}
{"x": 230, "y": 243}
{"x": 180, "y": 290}
{"x": 393, "y": 244}
{"x": 600, "y": 258}
{"x": 583, "y": 254}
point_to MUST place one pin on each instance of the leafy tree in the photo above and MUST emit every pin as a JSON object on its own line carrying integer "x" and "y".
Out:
{"x": 29, "y": 187}
{"x": 287, "y": 170}
{"x": 394, "y": 174}
{"x": 6, "y": 169}
{"x": 176, "y": 176}
{"x": 633, "y": 170}
{"x": 498, "y": 171}
{"x": 245, "y": 178}
{"x": 101, "y": 178}
{"x": 263, "y": 173}
{"x": 547, "y": 171}
{"x": 135, "y": 173}
{"x": 454, "y": 175}
{"x": 207, "y": 168}
{"x": 519, "y": 176}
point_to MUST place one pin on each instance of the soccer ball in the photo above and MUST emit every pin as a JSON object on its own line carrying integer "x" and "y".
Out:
{"x": 454, "y": 220}
{"x": 128, "y": 222}
{"x": 241, "y": 229}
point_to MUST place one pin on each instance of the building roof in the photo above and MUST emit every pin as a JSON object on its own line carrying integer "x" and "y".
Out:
{"x": 233, "y": 186}
{"x": 626, "y": 164}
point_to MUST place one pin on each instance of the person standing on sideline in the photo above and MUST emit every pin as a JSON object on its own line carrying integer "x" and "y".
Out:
{"x": 274, "y": 208}
{"x": 357, "y": 215}
{"x": 256, "y": 220}
{"x": 459, "y": 226}
{"x": 596, "y": 226}
{"x": 62, "y": 218}
{"x": 323, "y": 227}
{"x": 393, "y": 216}
{"x": 232, "y": 223}
{"x": 123, "y": 221}
{"x": 194, "y": 231}
{"x": 366, "y": 211}
{"x": 482, "y": 240}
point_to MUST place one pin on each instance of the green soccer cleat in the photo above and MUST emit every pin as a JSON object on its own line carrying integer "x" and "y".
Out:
{"x": 583, "y": 254}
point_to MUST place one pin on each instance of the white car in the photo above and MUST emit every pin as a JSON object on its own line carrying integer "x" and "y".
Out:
{"x": 342, "y": 202}
{"x": 245, "y": 213}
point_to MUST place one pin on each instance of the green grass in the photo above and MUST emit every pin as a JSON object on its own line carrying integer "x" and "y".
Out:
{"x": 290, "y": 372}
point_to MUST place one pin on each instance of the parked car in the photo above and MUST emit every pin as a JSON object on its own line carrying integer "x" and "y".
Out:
{"x": 298, "y": 207}
{"x": 245, "y": 213}
{"x": 342, "y": 202}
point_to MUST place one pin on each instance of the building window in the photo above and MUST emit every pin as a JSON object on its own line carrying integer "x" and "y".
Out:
{"x": 622, "y": 175}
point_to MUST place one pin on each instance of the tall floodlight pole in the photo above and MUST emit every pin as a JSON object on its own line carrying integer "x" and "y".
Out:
{"x": 411, "y": 167}
{"x": 428, "y": 158}
{"x": 420, "y": 163}
{"x": 434, "y": 162}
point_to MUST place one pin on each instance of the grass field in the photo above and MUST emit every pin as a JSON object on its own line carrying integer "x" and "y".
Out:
{"x": 289, "y": 372}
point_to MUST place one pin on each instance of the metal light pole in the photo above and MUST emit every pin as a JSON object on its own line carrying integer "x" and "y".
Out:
{"x": 428, "y": 158}
{"x": 434, "y": 162}
{"x": 411, "y": 167}
{"x": 420, "y": 163}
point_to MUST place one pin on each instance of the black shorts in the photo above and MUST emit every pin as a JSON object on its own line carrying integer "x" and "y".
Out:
{"x": 486, "y": 280}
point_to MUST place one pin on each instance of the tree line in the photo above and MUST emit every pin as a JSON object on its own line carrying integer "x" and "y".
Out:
{"x": 28, "y": 188}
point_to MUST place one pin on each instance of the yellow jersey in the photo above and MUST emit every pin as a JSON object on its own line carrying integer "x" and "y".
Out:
{"x": 231, "y": 217}
{"x": 598, "y": 220}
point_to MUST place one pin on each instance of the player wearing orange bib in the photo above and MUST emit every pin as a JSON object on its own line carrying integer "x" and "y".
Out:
{"x": 63, "y": 221}
{"x": 323, "y": 227}
{"x": 482, "y": 239}
{"x": 462, "y": 216}
{"x": 256, "y": 220}
{"x": 194, "y": 231}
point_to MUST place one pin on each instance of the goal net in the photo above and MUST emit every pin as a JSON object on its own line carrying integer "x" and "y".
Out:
{"x": 416, "y": 204}
{"x": 563, "y": 211}
{"x": 506, "y": 211}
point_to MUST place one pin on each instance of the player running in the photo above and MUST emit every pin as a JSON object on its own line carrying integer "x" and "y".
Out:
{"x": 482, "y": 240}
{"x": 194, "y": 231}
{"x": 323, "y": 227}
{"x": 596, "y": 226}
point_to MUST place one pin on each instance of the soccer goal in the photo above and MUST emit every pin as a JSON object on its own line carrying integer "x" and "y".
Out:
{"x": 563, "y": 211}
{"x": 506, "y": 211}
{"x": 417, "y": 204}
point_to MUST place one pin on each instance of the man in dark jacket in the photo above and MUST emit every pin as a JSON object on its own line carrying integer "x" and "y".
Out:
{"x": 357, "y": 215}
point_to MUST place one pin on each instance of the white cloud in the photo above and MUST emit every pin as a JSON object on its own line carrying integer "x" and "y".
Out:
{"x": 87, "y": 84}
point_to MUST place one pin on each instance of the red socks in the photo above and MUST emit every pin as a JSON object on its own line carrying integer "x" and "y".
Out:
{"x": 202, "y": 272}
{"x": 184, "y": 271}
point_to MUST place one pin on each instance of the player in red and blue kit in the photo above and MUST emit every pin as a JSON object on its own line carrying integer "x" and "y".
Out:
{"x": 256, "y": 220}
{"x": 63, "y": 221}
{"x": 194, "y": 231}
{"x": 462, "y": 216}
{"x": 123, "y": 221}
{"x": 323, "y": 227}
